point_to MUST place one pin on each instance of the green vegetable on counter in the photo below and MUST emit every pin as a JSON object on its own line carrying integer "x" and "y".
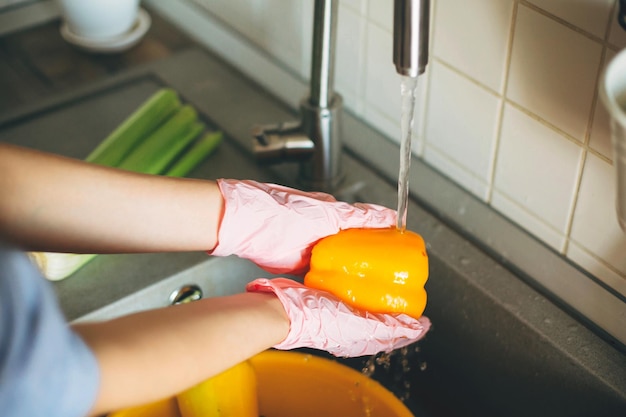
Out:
{"x": 143, "y": 121}
{"x": 162, "y": 136}
{"x": 200, "y": 150}
{"x": 148, "y": 156}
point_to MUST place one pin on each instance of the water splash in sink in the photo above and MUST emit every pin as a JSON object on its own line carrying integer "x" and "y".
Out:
{"x": 400, "y": 362}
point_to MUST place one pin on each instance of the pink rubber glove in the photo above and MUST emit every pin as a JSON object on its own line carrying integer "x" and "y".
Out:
{"x": 276, "y": 227}
{"x": 321, "y": 321}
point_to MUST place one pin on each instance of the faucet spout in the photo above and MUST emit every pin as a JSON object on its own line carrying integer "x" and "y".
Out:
{"x": 411, "y": 25}
{"x": 314, "y": 141}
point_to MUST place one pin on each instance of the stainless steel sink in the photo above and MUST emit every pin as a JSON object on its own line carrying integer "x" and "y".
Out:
{"x": 498, "y": 346}
{"x": 212, "y": 277}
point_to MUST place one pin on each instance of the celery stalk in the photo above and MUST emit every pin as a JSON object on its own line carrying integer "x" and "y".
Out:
{"x": 200, "y": 150}
{"x": 175, "y": 148}
{"x": 142, "y": 122}
{"x": 152, "y": 154}
{"x": 150, "y": 150}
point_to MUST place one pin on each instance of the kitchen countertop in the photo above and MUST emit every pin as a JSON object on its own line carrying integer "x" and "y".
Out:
{"x": 37, "y": 62}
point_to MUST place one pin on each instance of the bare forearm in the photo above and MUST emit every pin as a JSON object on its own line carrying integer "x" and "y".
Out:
{"x": 53, "y": 203}
{"x": 155, "y": 354}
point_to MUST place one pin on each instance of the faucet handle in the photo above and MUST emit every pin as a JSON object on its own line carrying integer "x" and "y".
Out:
{"x": 284, "y": 141}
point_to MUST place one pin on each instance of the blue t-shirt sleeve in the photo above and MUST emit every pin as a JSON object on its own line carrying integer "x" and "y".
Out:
{"x": 45, "y": 368}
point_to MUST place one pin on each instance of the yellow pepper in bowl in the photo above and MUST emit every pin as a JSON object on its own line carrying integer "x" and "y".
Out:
{"x": 376, "y": 270}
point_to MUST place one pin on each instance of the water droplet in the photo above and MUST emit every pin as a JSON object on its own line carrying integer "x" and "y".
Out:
{"x": 384, "y": 359}
{"x": 423, "y": 366}
{"x": 369, "y": 369}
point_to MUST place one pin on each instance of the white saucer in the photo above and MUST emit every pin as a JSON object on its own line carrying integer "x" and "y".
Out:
{"x": 111, "y": 45}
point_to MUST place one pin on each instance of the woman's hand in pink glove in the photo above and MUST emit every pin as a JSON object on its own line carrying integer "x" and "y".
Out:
{"x": 321, "y": 321}
{"x": 276, "y": 227}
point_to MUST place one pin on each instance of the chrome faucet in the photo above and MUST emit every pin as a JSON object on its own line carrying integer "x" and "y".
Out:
{"x": 411, "y": 26}
{"x": 315, "y": 140}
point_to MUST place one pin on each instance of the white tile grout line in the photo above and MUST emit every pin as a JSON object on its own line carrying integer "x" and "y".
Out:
{"x": 545, "y": 13}
{"x": 525, "y": 110}
{"x": 586, "y": 148}
{"x": 500, "y": 115}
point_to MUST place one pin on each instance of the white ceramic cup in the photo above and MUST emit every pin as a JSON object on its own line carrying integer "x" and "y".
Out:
{"x": 99, "y": 19}
{"x": 613, "y": 95}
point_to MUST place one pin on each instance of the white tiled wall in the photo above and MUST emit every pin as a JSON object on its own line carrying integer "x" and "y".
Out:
{"x": 508, "y": 105}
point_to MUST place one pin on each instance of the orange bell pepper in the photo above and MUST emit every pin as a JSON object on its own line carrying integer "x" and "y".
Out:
{"x": 376, "y": 270}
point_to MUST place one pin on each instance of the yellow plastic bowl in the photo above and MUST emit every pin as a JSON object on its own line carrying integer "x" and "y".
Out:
{"x": 296, "y": 384}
